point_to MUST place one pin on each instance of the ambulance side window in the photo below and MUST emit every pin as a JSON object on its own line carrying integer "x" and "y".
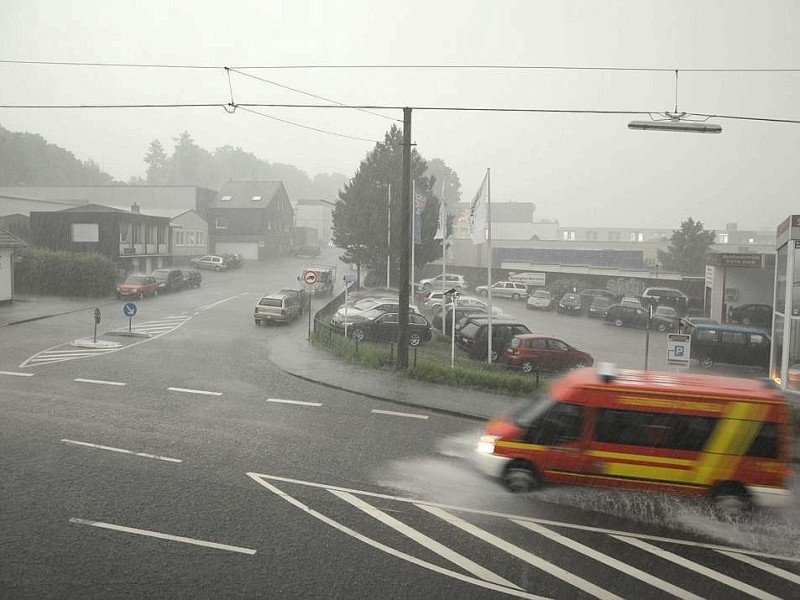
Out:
{"x": 766, "y": 444}
{"x": 560, "y": 425}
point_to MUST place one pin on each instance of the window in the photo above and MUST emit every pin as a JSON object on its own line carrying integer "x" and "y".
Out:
{"x": 722, "y": 238}
{"x": 613, "y": 236}
{"x": 558, "y": 345}
{"x": 653, "y": 430}
{"x": 221, "y": 223}
{"x": 730, "y": 337}
{"x": 560, "y": 425}
{"x": 201, "y": 238}
{"x": 537, "y": 344}
{"x": 706, "y": 335}
{"x": 256, "y": 199}
{"x": 756, "y": 339}
{"x": 179, "y": 237}
{"x": 123, "y": 232}
{"x": 591, "y": 235}
{"x": 766, "y": 444}
{"x": 85, "y": 232}
{"x": 225, "y": 199}
{"x": 190, "y": 238}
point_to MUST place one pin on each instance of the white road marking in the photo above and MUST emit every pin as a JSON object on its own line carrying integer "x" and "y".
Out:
{"x": 530, "y": 558}
{"x": 15, "y": 374}
{"x": 609, "y": 561}
{"x": 398, "y": 414}
{"x": 190, "y": 391}
{"x": 700, "y": 569}
{"x": 777, "y": 571}
{"x": 490, "y": 513}
{"x": 99, "y": 381}
{"x": 207, "y": 306}
{"x": 120, "y": 450}
{"x": 298, "y": 402}
{"x": 163, "y": 536}
{"x": 425, "y": 541}
{"x": 384, "y": 548}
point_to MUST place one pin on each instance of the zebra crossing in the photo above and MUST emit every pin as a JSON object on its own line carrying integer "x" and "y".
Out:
{"x": 74, "y": 350}
{"x": 583, "y": 560}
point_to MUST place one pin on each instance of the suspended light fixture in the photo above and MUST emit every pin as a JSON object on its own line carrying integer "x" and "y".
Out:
{"x": 676, "y": 121}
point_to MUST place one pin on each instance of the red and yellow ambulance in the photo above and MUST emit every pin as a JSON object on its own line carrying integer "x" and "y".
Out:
{"x": 724, "y": 438}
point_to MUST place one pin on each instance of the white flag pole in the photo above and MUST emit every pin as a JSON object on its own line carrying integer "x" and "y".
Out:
{"x": 489, "y": 265}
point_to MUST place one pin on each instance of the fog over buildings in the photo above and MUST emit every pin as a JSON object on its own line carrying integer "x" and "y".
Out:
{"x": 583, "y": 169}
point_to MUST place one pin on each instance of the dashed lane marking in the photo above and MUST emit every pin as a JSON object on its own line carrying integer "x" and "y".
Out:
{"x": 163, "y": 536}
{"x": 298, "y": 402}
{"x": 773, "y": 570}
{"x": 122, "y": 451}
{"x": 16, "y": 374}
{"x": 100, "y": 381}
{"x": 398, "y": 414}
{"x": 190, "y": 391}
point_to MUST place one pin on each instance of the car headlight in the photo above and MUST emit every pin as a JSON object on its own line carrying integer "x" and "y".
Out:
{"x": 486, "y": 444}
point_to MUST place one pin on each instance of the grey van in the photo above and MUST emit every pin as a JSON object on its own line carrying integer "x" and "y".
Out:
{"x": 746, "y": 346}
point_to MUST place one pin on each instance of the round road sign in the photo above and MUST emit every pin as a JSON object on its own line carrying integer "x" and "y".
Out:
{"x": 310, "y": 277}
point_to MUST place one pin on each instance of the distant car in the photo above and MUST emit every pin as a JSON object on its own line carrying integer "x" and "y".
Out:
{"x": 590, "y": 294}
{"x": 192, "y": 278}
{"x": 570, "y": 304}
{"x": 137, "y": 287}
{"x": 169, "y": 280}
{"x": 599, "y": 306}
{"x": 383, "y": 326}
{"x": 540, "y": 300}
{"x": 504, "y": 289}
{"x": 473, "y": 337}
{"x": 666, "y": 296}
{"x": 308, "y": 251}
{"x": 298, "y": 293}
{"x": 216, "y": 263}
{"x": 443, "y": 320}
{"x": 631, "y": 301}
{"x": 731, "y": 344}
{"x": 665, "y": 318}
{"x": 280, "y": 308}
{"x": 626, "y": 316}
{"x": 531, "y": 352}
{"x": 752, "y": 314}
{"x": 233, "y": 260}
{"x": 448, "y": 281}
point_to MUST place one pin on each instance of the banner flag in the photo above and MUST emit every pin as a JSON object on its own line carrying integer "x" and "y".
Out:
{"x": 478, "y": 212}
{"x": 441, "y": 226}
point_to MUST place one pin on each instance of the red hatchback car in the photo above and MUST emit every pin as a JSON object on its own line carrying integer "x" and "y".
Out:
{"x": 531, "y": 352}
{"x": 137, "y": 287}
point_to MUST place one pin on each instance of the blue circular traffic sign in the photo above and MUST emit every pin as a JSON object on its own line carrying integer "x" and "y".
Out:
{"x": 129, "y": 309}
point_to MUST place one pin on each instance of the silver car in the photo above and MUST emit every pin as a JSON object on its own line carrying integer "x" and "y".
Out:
{"x": 505, "y": 289}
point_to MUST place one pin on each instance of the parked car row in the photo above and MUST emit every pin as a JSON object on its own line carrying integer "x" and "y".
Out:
{"x": 219, "y": 263}
{"x": 160, "y": 281}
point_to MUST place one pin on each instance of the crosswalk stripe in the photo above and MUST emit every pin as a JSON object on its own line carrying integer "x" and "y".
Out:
{"x": 530, "y": 558}
{"x": 693, "y": 566}
{"x": 387, "y": 549}
{"x": 758, "y": 564}
{"x": 609, "y": 561}
{"x": 425, "y": 541}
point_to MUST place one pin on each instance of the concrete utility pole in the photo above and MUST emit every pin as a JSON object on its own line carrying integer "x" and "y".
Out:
{"x": 405, "y": 237}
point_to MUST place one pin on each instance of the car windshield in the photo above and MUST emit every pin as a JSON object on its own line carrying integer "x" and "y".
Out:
{"x": 543, "y": 295}
{"x": 136, "y": 279}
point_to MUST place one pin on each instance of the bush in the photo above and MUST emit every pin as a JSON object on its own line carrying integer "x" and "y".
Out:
{"x": 43, "y": 271}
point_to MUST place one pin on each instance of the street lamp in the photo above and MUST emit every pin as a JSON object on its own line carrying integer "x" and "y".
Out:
{"x": 675, "y": 122}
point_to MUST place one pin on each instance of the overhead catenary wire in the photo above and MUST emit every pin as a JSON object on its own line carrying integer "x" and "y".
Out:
{"x": 309, "y": 127}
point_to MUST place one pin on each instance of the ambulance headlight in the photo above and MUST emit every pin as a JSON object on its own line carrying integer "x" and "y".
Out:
{"x": 486, "y": 444}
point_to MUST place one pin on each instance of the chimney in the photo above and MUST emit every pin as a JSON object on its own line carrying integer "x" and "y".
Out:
{"x": 135, "y": 208}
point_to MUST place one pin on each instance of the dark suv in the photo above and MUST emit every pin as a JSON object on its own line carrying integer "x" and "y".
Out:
{"x": 730, "y": 344}
{"x": 666, "y": 296}
{"x": 169, "y": 280}
{"x": 473, "y": 337}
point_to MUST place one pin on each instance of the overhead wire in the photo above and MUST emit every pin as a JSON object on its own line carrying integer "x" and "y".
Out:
{"x": 342, "y": 135}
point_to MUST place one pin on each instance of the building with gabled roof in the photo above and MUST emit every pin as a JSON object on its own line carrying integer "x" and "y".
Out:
{"x": 253, "y": 218}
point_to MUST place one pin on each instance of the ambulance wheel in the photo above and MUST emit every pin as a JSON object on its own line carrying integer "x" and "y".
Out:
{"x": 521, "y": 476}
{"x": 731, "y": 501}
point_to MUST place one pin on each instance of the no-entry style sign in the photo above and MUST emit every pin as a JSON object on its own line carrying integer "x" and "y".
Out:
{"x": 310, "y": 277}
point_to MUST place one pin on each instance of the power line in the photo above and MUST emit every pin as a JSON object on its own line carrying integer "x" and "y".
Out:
{"x": 245, "y": 105}
{"x": 342, "y": 135}
{"x": 463, "y": 66}
{"x": 286, "y": 87}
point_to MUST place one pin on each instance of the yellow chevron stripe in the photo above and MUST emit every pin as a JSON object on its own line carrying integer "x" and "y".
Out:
{"x": 642, "y": 458}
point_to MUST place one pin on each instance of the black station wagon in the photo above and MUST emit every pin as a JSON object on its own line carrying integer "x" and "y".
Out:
{"x": 712, "y": 344}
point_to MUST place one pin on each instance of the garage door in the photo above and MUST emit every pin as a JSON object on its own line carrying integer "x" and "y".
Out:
{"x": 249, "y": 251}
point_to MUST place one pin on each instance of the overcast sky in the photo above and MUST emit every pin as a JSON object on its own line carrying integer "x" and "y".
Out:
{"x": 582, "y": 170}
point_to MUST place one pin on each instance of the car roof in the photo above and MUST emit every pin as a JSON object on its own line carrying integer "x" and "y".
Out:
{"x": 275, "y": 296}
{"x": 730, "y": 328}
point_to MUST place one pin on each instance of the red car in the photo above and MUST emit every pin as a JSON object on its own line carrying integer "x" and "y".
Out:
{"x": 531, "y": 352}
{"x": 137, "y": 287}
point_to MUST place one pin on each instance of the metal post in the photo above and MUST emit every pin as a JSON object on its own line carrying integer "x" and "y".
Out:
{"x": 405, "y": 244}
{"x": 389, "y": 236}
{"x": 647, "y": 337}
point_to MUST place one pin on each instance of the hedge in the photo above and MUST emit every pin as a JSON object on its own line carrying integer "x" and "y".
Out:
{"x": 44, "y": 271}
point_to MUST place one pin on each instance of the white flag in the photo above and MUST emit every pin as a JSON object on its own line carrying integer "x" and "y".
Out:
{"x": 441, "y": 226}
{"x": 477, "y": 214}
